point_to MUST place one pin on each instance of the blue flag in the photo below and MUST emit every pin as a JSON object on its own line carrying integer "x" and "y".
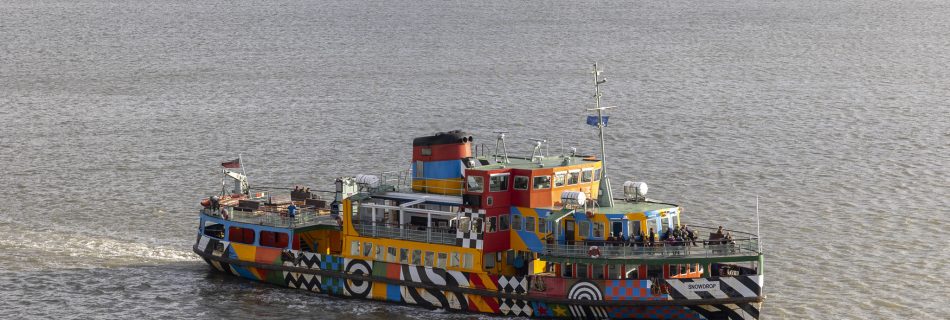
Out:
{"x": 592, "y": 120}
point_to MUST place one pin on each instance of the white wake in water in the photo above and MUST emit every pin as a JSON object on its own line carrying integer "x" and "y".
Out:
{"x": 57, "y": 249}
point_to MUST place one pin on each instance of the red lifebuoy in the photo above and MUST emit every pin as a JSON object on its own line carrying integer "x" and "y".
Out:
{"x": 594, "y": 252}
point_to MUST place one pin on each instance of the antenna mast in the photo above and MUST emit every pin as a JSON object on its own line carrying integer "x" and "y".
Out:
{"x": 604, "y": 195}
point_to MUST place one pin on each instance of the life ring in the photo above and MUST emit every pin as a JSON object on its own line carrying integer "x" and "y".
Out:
{"x": 590, "y": 214}
{"x": 593, "y": 252}
{"x": 224, "y": 214}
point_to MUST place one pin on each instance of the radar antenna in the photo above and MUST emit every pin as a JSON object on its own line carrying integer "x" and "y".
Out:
{"x": 537, "y": 152}
{"x": 504, "y": 147}
{"x": 604, "y": 195}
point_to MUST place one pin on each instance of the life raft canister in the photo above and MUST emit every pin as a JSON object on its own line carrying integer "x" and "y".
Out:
{"x": 593, "y": 252}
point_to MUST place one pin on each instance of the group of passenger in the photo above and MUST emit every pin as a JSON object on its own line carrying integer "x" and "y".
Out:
{"x": 672, "y": 237}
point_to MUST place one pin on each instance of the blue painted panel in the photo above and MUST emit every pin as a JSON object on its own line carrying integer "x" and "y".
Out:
{"x": 447, "y": 169}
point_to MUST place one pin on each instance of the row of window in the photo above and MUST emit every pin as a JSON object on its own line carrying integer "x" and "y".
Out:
{"x": 617, "y": 271}
{"x": 499, "y": 182}
{"x": 417, "y": 257}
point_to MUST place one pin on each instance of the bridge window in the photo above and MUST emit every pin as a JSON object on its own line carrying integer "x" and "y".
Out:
{"x": 521, "y": 183}
{"x": 587, "y": 175}
{"x": 597, "y": 175}
{"x": 492, "y": 224}
{"x": 529, "y": 224}
{"x": 498, "y": 183}
{"x": 559, "y": 179}
{"x": 475, "y": 184}
{"x": 584, "y": 228}
{"x": 573, "y": 177}
{"x": 503, "y": 222}
{"x": 489, "y": 260}
{"x": 542, "y": 182}
{"x": 542, "y": 225}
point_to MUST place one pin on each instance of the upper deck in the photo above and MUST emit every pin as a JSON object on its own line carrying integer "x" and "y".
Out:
{"x": 264, "y": 210}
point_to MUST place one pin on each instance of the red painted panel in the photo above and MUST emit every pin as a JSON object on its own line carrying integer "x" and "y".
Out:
{"x": 296, "y": 242}
{"x": 235, "y": 234}
{"x": 553, "y": 287}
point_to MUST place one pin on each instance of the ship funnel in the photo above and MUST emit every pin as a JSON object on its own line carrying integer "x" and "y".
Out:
{"x": 437, "y": 162}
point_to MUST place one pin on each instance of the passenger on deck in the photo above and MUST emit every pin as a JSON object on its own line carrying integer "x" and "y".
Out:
{"x": 652, "y": 237}
{"x": 690, "y": 236}
{"x": 719, "y": 232}
{"x": 292, "y": 212}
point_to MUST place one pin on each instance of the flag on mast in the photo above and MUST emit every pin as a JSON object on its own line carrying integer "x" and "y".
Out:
{"x": 592, "y": 120}
{"x": 233, "y": 164}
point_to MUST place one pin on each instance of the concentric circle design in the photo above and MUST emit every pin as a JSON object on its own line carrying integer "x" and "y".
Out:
{"x": 358, "y": 288}
{"x": 584, "y": 290}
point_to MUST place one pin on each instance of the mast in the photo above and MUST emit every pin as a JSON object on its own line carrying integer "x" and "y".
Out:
{"x": 604, "y": 195}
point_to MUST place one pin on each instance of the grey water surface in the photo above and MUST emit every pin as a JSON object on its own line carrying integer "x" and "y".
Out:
{"x": 115, "y": 114}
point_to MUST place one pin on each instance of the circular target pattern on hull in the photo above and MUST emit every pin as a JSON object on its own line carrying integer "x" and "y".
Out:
{"x": 358, "y": 288}
{"x": 583, "y": 290}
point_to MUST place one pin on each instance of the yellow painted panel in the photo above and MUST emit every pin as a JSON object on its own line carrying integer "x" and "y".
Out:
{"x": 245, "y": 252}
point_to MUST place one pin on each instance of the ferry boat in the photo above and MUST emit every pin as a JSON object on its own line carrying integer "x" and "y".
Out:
{"x": 469, "y": 228}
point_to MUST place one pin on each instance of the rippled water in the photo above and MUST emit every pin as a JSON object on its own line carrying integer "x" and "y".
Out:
{"x": 114, "y": 115}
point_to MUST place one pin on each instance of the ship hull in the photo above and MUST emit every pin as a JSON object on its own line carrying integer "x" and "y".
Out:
{"x": 535, "y": 297}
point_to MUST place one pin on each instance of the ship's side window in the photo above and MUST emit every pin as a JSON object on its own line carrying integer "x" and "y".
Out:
{"x": 489, "y": 260}
{"x": 584, "y": 228}
{"x": 417, "y": 257}
{"x": 403, "y": 255}
{"x": 567, "y": 270}
{"x": 430, "y": 258}
{"x": 455, "y": 261}
{"x": 521, "y": 183}
{"x": 477, "y": 226}
{"x": 597, "y": 271}
{"x": 367, "y": 249}
{"x": 542, "y": 182}
{"x": 573, "y": 177}
{"x": 354, "y": 248}
{"x": 516, "y": 222}
{"x": 529, "y": 224}
{"x": 498, "y": 183}
{"x": 542, "y": 225}
{"x": 380, "y": 251}
{"x": 441, "y": 261}
{"x": 598, "y": 230}
{"x": 613, "y": 271}
{"x": 503, "y": 222}
{"x": 492, "y": 224}
{"x": 559, "y": 179}
{"x": 582, "y": 270}
{"x": 475, "y": 184}
{"x": 391, "y": 254}
{"x": 467, "y": 261}
{"x": 587, "y": 175}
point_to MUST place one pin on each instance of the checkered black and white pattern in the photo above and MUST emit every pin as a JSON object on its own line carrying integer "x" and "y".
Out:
{"x": 514, "y": 284}
{"x": 514, "y": 307}
{"x": 468, "y": 238}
